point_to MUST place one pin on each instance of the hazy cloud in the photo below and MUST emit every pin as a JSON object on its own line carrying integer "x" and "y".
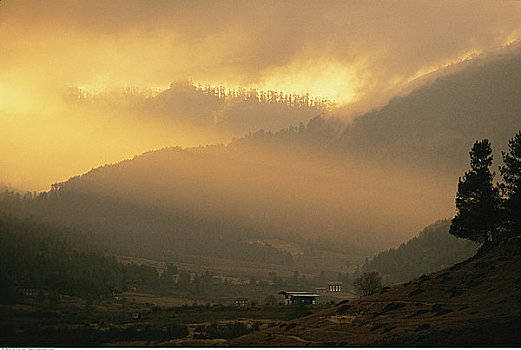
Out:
{"x": 371, "y": 44}
{"x": 344, "y": 50}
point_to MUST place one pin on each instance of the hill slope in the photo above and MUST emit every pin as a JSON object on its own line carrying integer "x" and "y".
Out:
{"x": 433, "y": 249}
{"x": 433, "y": 126}
{"x": 438, "y": 122}
{"x": 473, "y": 303}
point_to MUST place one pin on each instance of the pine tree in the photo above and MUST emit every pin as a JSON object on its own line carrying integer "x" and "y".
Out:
{"x": 511, "y": 186}
{"x": 477, "y": 198}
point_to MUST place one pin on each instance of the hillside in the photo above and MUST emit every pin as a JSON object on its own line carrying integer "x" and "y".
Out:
{"x": 433, "y": 249}
{"x": 473, "y": 303}
{"x": 223, "y": 113}
{"x": 434, "y": 124}
{"x": 156, "y": 198}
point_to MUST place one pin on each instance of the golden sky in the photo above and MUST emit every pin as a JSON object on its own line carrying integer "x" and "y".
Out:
{"x": 345, "y": 50}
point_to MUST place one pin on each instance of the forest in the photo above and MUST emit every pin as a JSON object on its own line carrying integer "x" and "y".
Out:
{"x": 38, "y": 256}
{"x": 60, "y": 261}
{"x": 433, "y": 249}
{"x": 229, "y": 112}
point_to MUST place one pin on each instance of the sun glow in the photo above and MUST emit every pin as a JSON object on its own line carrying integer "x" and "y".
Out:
{"x": 325, "y": 78}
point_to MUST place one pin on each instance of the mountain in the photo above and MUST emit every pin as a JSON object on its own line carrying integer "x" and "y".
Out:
{"x": 359, "y": 188}
{"x": 213, "y": 109}
{"x": 473, "y": 303}
{"x": 436, "y": 124}
{"x": 184, "y": 200}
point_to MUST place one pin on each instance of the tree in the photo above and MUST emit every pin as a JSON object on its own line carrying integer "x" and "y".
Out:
{"x": 511, "y": 186}
{"x": 369, "y": 283}
{"x": 477, "y": 199}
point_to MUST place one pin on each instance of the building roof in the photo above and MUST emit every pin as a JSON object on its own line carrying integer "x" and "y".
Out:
{"x": 300, "y": 294}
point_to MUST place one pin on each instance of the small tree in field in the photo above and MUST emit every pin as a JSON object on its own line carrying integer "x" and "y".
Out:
{"x": 477, "y": 199}
{"x": 511, "y": 186}
{"x": 367, "y": 284}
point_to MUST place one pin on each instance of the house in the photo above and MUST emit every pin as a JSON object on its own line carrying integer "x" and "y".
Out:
{"x": 242, "y": 302}
{"x": 29, "y": 291}
{"x": 335, "y": 286}
{"x": 299, "y": 297}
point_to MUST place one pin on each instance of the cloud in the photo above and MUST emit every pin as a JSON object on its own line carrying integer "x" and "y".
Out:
{"x": 345, "y": 50}
{"x": 246, "y": 42}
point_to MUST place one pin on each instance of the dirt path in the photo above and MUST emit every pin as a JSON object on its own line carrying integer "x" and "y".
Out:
{"x": 300, "y": 339}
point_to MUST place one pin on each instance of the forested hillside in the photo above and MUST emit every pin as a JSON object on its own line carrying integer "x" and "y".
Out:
{"x": 41, "y": 257}
{"x": 225, "y": 112}
{"x": 433, "y": 249}
{"x": 437, "y": 123}
{"x": 116, "y": 227}
{"x": 433, "y": 126}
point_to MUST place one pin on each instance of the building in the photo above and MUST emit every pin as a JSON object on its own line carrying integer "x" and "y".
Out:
{"x": 335, "y": 286}
{"x": 29, "y": 292}
{"x": 299, "y": 297}
{"x": 242, "y": 302}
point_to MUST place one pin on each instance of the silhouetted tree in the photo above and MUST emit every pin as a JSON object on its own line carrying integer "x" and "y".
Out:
{"x": 511, "y": 187}
{"x": 477, "y": 216}
{"x": 369, "y": 283}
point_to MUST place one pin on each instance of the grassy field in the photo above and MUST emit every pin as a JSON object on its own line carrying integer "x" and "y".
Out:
{"x": 73, "y": 322}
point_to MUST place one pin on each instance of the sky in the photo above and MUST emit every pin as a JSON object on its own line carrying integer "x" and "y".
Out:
{"x": 344, "y": 50}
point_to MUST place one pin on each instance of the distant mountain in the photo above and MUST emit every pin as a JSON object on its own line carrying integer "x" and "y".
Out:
{"x": 363, "y": 187}
{"x": 229, "y": 113}
{"x": 434, "y": 126}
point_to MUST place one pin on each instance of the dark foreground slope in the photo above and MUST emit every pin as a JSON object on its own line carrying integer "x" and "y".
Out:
{"x": 473, "y": 303}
